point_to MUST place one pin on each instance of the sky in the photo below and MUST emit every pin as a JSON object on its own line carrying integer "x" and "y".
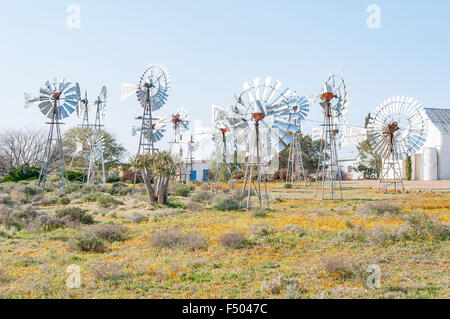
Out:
{"x": 211, "y": 48}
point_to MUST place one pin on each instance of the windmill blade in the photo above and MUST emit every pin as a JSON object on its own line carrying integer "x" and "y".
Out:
{"x": 127, "y": 90}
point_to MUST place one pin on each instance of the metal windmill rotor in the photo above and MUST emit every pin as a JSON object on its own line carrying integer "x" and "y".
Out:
{"x": 222, "y": 137}
{"x": 96, "y": 171}
{"x": 158, "y": 130}
{"x": 299, "y": 109}
{"x": 397, "y": 130}
{"x": 258, "y": 121}
{"x": 57, "y": 100}
{"x": 334, "y": 102}
{"x": 180, "y": 124}
{"x": 152, "y": 91}
{"x": 192, "y": 147}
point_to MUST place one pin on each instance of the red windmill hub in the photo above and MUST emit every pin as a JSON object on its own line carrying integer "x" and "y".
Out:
{"x": 258, "y": 116}
{"x": 56, "y": 96}
{"x": 390, "y": 129}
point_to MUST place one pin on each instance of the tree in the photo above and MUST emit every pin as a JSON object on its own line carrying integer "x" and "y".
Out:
{"x": 156, "y": 170}
{"x": 408, "y": 168}
{"x": 370, "y": 163}
{"x": 113, "y": 152}
{"x": 19, "y": 147}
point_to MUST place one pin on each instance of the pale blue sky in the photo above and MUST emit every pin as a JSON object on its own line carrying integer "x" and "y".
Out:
{"x": 211, "y": 48}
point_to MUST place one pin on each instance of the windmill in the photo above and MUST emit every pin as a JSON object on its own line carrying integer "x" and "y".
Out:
{"x": 397, "y": 129}
{"x": 180, "y": 124}
{"x": 158, "y": 129}
{"x": 192, "y": 148}
{"x": 152, "y": 92}
{"x": 299, "y": 108}
{"x": 81, "y": 143}
{"x": 57, "y": 100}
{"x": 96, "y": 171}
{"x": 334, "y": 102}
{"x": 260, "y": 127}
{"x": 222, "y": 138}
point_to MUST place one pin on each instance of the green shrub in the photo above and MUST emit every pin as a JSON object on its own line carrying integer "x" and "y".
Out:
{"x": 182, "y": 190}
{"x": 172, "y": 238}
{"x": 75, "y": 214}
{"x": 106, "y": 201}
{"x": 225, "y": 202}
{"x": 120, "y": 189}
{"x": 31, "y": 190}
{"x": 73, "y": 176}
{"x": 24, "y": 172}
{"x": 110, "y": 233}
{"x": 113, "y": 178}
{"x": 259, "y": 212}
{"x": 91, "y": 197}
{"x": 288, "y": 186}
{"x": 380, "y": 208}
{"x": 201, "y": 196}
{"x": 87, "y": 242}
{"x": 6, "y": 199}
{"x": 233, "y": 240}
{"x": 64, "y": 200}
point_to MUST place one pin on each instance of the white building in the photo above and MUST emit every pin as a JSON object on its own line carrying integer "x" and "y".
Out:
{"x": 433, "y": 161}
{"x": 200, "y": 170}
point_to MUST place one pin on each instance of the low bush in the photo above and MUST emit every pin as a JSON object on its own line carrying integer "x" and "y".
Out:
{"x": 46, "y": 222}
{"x": 6, "y": 199}
{"x": 380, "y": 208}
{"x": 24, "y": 172}
{"x": 31, "y": 190}
{"x": 182, "y": 190}
{"x": 64, "y": 200}
{"x": 73, "y": 176}
{"x": 193, "y": 206}
{"x": 107, "y": 271}
{"x": 201, "y": 196}
{"x": 338, "y": 264}
{"x": 120, "y": 189}
{"x": 136, "y": 218}
{"x": 106, "y": 201}
{"x": 173, "y": 238}
{"x": 113, "y": 178}
{"x": 110, "y": 233}
{"x": 288, "y": 186}
{"x": 75, "y": 214}
{"x": 233, "y": 240}
{"x": 225, "y": 202}
{"x": 87, "y": 242}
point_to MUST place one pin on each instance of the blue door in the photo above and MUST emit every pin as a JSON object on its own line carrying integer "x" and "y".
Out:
{"x": 193, "y": 175}
{"x": 205, "y": 174}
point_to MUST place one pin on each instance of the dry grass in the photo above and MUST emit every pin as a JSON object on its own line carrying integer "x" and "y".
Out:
{"x": 292, "y": 252}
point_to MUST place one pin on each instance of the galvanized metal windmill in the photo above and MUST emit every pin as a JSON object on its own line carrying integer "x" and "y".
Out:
{"x": 57, "y": 100}
{"x": 334, "y": 102}
{"x": 192, "y": 147}
{"x": 152, "y": 92}
{"x": 222, "y": 137}
{"x": 299, "y": 108}
{"x": 260, "y": 127}
{"x": 396, "y": 130}
{"x": 81, "y": 152}
{"x": 180, "y": 124}
{"x": 96, "y": 171}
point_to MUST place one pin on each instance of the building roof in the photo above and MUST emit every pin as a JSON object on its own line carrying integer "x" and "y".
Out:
{"x": 440, "y": 118}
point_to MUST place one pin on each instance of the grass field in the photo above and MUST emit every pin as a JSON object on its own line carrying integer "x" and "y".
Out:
{"x": 301, "y": 248}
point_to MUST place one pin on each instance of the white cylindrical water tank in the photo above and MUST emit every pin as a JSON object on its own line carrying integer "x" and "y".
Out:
{"x": 429, "y": 164}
